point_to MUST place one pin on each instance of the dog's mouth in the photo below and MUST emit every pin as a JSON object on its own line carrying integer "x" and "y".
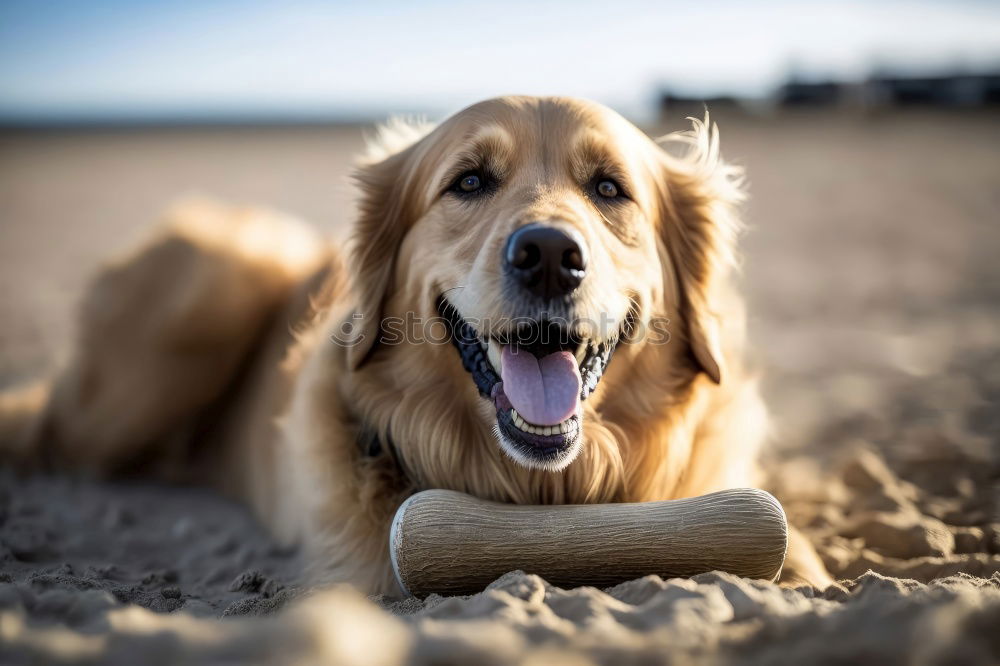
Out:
{"x": 537, "y": 374}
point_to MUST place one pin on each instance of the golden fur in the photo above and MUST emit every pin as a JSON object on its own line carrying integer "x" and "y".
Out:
{"x": 185, "y": 360}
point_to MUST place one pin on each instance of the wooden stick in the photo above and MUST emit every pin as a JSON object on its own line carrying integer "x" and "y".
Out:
{"x": 451, "y": 543}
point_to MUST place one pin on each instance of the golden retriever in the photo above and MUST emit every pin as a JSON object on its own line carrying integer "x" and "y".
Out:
{"x": 537, "y": 308}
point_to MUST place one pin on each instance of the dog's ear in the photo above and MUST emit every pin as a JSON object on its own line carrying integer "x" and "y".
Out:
{"x": 701, "y": 195}
{"x": 386, "y": 211}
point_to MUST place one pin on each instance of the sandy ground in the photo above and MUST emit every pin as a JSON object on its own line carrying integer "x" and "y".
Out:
{"x": 873, "y": 287}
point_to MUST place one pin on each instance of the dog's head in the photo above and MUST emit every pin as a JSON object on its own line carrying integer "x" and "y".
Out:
{"x": 548, "y": 235}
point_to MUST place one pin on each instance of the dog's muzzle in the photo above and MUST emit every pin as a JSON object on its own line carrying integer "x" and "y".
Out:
{"x": 537, "y": 378}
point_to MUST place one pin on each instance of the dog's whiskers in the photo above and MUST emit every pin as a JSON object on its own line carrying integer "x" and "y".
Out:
{"x": 450, "y": 289}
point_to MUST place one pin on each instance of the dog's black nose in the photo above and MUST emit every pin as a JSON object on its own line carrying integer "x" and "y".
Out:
{"x": 548, "y": 261}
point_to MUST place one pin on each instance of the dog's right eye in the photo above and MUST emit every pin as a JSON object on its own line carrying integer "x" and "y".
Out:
{"x": 472, "y": 183}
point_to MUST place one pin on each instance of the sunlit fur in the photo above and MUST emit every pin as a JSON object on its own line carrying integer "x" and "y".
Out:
{"x": 666, "y": 421}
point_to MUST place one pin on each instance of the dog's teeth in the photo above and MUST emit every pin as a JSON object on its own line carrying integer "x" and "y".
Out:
{"x": 494, "y": 353}
{"x": 581, "y": 352}
{"x": 563, "y": 428}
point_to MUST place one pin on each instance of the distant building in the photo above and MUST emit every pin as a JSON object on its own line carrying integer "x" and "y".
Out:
{"x": 886, "y": 90}
{"x": 674, "y": 106}
{"x": 880, "y": 91}
{"x": 800, "y": 93}
{"x": 964, "y": 90}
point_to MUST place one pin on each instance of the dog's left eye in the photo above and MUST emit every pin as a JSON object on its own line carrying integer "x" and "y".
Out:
{"x": 608, "y": 189}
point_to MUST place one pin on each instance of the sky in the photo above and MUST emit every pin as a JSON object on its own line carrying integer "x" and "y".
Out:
{"x": 184, "y": 58}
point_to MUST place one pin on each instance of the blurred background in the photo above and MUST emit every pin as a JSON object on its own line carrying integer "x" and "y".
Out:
{"x": 869, "y": 131}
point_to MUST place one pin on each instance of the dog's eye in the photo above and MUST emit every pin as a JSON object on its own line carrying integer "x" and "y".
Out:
{"x": 471, "y": 183}
{"x": 608, "y": 189}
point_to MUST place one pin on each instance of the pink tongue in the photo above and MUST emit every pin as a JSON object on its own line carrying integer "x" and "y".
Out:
{"x": 544, "y": 391}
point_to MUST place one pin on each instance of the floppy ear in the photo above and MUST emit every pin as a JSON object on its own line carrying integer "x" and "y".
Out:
{"x": 699, "y": 230}
{"x": 385, "y": 214}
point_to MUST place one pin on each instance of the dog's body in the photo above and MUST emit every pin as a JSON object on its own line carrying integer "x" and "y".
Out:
{"x": 515, "y": 217}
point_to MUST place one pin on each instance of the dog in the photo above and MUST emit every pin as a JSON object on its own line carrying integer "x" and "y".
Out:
{"x": 538, "y": 307}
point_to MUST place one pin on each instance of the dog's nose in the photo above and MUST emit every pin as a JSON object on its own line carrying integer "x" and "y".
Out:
{"x": 548, "y": 261}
